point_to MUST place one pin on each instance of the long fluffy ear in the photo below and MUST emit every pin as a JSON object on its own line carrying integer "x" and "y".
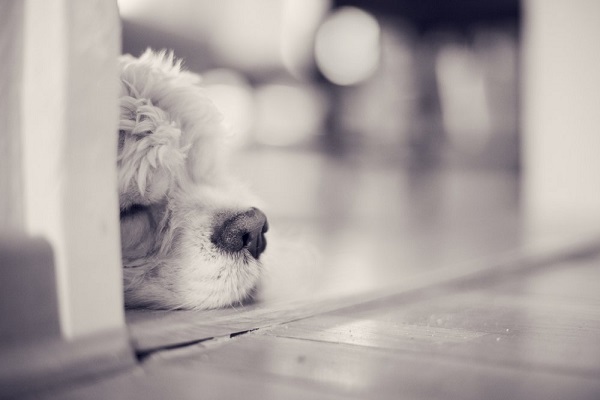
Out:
{"x": 166, "y": 117}
{"x": 150, "y": 154}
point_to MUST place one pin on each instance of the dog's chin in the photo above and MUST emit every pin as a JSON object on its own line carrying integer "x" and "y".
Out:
{"x": 192, "y": 284}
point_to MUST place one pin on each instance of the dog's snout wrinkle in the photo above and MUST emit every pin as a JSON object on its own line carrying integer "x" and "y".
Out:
{"x": 245, "y": 230}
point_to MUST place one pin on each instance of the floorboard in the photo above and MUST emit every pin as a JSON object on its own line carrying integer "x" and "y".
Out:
{"x": 532, "y": 335}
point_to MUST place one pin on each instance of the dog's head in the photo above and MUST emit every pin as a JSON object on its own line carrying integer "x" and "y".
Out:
{"x": 191, "y": 236}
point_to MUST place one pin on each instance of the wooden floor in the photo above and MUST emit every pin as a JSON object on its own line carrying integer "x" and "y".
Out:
{"x": 530, "y": 333}
{"x": 424, "y": 287}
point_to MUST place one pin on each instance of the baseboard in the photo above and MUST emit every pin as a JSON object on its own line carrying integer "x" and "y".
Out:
{"x": 45, "y": 364}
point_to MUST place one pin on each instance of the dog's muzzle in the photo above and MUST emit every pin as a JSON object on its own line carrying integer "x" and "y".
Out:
{"x": 245, "y": 230}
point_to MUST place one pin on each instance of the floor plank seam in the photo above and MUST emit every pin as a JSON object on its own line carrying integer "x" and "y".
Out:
{"x": 144, "y": 356}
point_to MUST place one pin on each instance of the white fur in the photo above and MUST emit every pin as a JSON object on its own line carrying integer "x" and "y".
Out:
{"x": 172, "y": 184}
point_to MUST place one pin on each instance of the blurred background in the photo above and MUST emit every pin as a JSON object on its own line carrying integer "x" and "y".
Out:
{"x": 411, "y": 83}
{"x": 383, "y": 135}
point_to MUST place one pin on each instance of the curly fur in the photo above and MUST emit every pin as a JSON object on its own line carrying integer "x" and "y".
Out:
{"x": 172, "y": 185}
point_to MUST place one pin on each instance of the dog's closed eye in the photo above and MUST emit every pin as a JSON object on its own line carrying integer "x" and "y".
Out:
{"x": 134, "y": 209}
{"x": 137, "y": 231}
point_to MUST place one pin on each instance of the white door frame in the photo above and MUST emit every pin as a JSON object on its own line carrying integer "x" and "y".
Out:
{"x": 59, "y": 213}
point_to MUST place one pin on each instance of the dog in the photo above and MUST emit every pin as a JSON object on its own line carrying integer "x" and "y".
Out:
{"x": 191, "y": 235}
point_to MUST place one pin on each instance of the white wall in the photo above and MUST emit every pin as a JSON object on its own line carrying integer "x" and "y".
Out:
{"x": 561, "y": 114}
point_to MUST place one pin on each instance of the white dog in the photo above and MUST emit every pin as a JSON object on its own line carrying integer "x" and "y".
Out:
{"x": 191, "y": 237}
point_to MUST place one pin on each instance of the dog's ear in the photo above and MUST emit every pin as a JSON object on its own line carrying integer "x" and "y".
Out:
{"x": 152, "y": 147}
{"x": 150, "y": 152}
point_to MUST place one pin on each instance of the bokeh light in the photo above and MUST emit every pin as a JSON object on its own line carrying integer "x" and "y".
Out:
{"x": 233, "y": 95}
{"x": 464, "y": 98}
{"x": 288, "y": 114}
{"x": 248, "y": 34}
{"x": 347, "y": 47}
{"x": 300, "y": 21}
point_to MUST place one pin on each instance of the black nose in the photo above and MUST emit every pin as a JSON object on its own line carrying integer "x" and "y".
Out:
{"x": 245, "y": 230}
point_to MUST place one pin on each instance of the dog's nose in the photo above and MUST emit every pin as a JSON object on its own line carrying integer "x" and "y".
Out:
{"x": 245, "y": 230}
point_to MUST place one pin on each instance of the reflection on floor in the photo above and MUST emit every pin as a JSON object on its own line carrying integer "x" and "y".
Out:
{"x": 356, "y": 225}
{"x": 399, "y": 285}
